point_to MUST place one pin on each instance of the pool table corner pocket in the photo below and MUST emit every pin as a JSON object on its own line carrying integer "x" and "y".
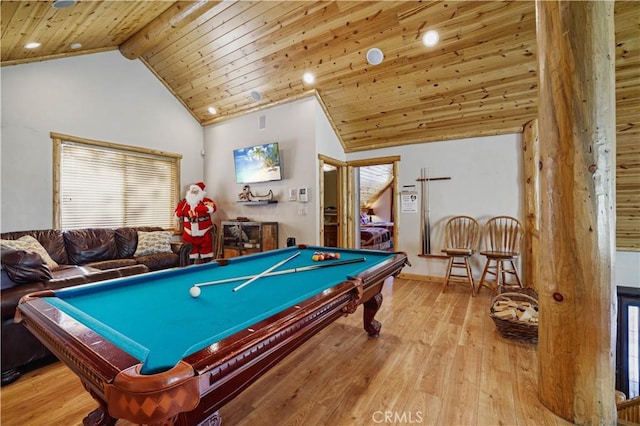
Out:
{"x": 150, "y": 398}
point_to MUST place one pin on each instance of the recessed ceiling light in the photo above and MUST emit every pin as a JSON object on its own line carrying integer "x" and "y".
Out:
{"x": 430, "y": 38}
{"x": 75, "y": 45}
{"x": 256, "y": 95}
{"x": 375, "y": 56}
{"x": 212, "y": 110}
{"x": 32, "y": 45}
{"x": 61, "y": 4}
{"x": 308, "y": 78}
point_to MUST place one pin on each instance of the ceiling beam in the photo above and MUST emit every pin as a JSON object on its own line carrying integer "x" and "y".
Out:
{"x": 175, "y": 17}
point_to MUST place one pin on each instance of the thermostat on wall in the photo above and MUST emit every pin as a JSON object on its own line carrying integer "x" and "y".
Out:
{"x": 303, "y": 195}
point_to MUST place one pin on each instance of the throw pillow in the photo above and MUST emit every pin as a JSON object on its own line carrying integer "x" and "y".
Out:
{"x": 153, "y": 243}
{"x": 24, "y": 266}
{"x": 28, "y": 243}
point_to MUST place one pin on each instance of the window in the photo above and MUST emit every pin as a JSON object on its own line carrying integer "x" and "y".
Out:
{"x": 106, "y": 185}
{"x": 627, "y": 342}
{"x": 634, "y": 348}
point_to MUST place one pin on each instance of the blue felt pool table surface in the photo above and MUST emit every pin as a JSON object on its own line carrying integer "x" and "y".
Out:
{"x": 153, "y": 317}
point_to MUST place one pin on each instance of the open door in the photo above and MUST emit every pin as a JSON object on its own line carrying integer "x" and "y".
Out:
{"x": 332, "y": 194}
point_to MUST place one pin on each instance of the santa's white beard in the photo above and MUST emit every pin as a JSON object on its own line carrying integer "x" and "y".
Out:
{"x": 194, "y": 199}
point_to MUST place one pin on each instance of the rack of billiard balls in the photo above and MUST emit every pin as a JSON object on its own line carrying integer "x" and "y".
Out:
{"x": 319, "y": 256}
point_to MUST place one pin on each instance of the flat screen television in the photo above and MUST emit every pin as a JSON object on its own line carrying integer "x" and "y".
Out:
{"x": 260, "y": 163}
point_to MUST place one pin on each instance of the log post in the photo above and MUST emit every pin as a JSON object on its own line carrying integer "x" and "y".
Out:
{"x": 531, "y": 172}
{"x": 576, "y": 66}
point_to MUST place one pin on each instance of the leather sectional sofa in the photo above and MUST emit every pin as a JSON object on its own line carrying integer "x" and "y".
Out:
{"x": 79, "y": 257}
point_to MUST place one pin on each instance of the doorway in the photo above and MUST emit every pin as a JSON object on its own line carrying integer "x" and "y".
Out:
{"x": 375, "y": 189}
{"x": 332, "y": 200}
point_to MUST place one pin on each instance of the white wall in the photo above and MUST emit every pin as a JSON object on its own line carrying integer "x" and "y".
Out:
{"x": 485, "y": 181}
{"x": 382, "y": 207}
{"x": 292, "y": 126}
{"x": 101, "y": 96}
{"x": 327, "y": 143}
{"x": 627, "y": 269}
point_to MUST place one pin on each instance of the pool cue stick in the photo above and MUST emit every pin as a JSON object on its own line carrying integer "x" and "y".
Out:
{"x": 265, "y": 272}
{"x": 284, "y": 271}
{"x": 427, "y": 224}
{"x": 425, "y": 208}
{"x": 422, "y": 203}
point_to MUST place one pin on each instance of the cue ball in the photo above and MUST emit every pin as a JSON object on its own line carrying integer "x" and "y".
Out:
{"x": 194, "y": 291}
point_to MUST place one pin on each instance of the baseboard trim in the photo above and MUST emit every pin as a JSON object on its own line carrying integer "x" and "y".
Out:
{"x": 416, "y": 277}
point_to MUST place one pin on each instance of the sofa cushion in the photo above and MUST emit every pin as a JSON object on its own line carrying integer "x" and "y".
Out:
{"x": 127, "y": 239}
{"x": 51, "y": 239}
{"x": 6, "y": 282}
{"x": 124, "y": 271}
{"x": 24, "y": 266}
{"x": 11, "y": 297}
{"x": 90, "y": 245}
{"x": 66, "y": 271}
{"x": 29, "y": 243}
{"x": 159, "y": 261}
{"x": 153, "y": 243}
{"x": 112, "y": 264}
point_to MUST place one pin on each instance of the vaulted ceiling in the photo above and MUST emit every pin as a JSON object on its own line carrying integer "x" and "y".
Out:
{"x": 241, "y": 56}
{"x": 479, "y": 80}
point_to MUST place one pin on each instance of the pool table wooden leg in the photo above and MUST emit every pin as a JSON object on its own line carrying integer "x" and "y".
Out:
{"x": 100, "y": 416}
{"x": 213, "y": 420}
{"x": 371, "y": 307}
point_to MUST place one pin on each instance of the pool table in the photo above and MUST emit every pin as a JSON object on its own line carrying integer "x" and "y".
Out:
{"x": 151, "y": 352}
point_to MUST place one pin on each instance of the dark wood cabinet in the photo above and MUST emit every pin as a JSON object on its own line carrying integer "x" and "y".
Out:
{"x": 331, "y": 234}
{"x": 241, "y": 238}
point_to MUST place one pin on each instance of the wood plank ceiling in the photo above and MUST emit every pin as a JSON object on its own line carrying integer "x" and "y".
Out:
{"x": 241, "y": 56}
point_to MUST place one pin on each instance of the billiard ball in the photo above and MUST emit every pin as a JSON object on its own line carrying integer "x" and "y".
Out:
{"x": 194, "y": 291}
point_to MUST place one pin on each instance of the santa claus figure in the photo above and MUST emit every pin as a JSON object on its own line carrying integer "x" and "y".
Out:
{"x": 195, "y": 212}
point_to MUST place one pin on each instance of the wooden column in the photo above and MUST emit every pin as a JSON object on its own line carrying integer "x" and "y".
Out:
{"x": 531, "y": 172}
{"x": 577, "y": 240}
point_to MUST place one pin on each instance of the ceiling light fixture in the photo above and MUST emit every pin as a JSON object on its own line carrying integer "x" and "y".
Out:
{"x": 375, "y": 56}
{"x": 75, "y": 45}
{"x": 62, "y": 4}
{"x": 256, "y": 95}
{"x": 430, "y": 38}
{"x": 32, "y": 45}
{"x": 212, "y": 110}
{"x": 308, "y": 78}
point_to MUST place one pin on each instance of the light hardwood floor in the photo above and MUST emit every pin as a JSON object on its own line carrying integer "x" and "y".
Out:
{"x": 438, "y": 361}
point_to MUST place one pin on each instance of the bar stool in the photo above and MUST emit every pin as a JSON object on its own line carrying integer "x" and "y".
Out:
{"x": 502, "y": 239}
{"x": 461, "y": 239}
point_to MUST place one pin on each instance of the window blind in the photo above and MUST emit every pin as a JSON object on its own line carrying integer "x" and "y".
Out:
{"x": 105, "y": 187}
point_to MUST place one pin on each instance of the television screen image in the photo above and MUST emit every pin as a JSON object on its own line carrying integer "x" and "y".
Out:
{"x": 259, "y": 163}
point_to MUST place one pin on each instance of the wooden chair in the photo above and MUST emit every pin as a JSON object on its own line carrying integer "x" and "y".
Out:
{"x": 461, "y": 240}
{"x": 502, "y": 239}
{"x": 628, "y": 410}
{"x": 216, "y": 241}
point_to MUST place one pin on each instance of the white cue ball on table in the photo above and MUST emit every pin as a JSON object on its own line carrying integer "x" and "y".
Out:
{"x": 194, "y": 291}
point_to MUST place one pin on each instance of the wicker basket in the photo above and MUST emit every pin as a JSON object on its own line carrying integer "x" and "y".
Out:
{"x": 512, "y": 329}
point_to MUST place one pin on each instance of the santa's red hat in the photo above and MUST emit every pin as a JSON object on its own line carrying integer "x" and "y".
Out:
{"x": 201, "y": 185}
